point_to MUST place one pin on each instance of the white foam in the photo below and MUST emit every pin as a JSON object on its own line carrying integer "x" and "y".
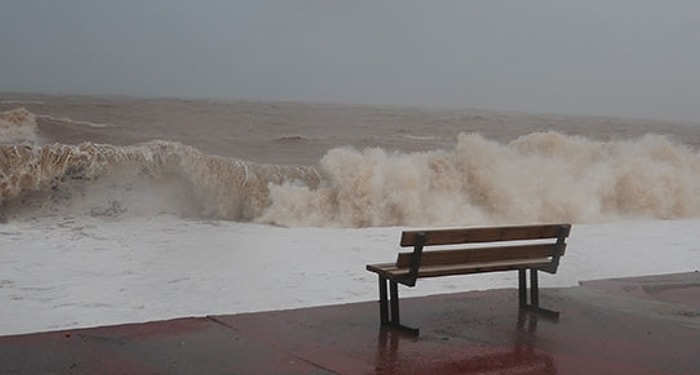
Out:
{"x": 72, "y": 122}
{"x": 540, "y": 177}
{"x": 67, "y": 272}
{"x": 420, "y": 137}
{"x": 17, "y": 125}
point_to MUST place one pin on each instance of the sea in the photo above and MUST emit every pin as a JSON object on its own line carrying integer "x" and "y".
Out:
{"x": 318, "y": 165}
{"x": 122, "y": 209}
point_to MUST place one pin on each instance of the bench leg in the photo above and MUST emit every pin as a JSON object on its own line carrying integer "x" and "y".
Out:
{"x": 389, "y": 313}
{"x": 534, "y": 304}
{"x": 522, "y": 287}
{"x": 394, "y": 290}
{"x": 534, "y": 289}
{"x": 383, "y": 302}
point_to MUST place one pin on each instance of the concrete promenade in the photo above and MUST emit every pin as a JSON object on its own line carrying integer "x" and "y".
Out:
{"x": 644, "y": 325}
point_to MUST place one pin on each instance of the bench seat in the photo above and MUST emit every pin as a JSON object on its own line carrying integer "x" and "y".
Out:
{"x": 391, "y": 271}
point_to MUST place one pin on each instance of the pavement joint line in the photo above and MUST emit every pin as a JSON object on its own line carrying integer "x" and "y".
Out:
{"x": 270, "y": 344}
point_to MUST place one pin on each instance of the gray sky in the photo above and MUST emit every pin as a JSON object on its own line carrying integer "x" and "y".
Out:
{"x": 631, "y": 58}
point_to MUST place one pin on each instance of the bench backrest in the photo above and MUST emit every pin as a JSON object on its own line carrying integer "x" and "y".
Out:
{"x": 544, "y": 241}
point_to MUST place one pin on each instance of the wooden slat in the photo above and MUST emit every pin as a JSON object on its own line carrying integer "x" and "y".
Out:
{"x": 489, "y": 234}
{"x": 391, "y": 271}
{"x": 478, "y": 255}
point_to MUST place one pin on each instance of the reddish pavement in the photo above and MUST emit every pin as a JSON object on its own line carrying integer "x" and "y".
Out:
{"x": 647, "y": 325}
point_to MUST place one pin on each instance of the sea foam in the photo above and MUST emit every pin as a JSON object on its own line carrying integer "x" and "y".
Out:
{"x": 17, "y": 125}
{"x": 540, "y": 177}
{"x": 106, "y": 179}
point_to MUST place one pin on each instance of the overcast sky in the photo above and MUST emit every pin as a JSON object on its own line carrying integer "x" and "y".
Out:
{"x": 637, "y": 58}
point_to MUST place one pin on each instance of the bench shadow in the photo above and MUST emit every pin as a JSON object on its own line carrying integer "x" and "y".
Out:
{"x": 519, "y": 356}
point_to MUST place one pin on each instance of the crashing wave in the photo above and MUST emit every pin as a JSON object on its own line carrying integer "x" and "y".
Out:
{"x": 17, "y": 125}
{"x": 541, "y": 177}
{"x": 216, "y": 187}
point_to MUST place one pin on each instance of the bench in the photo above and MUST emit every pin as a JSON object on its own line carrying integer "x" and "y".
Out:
{"x": 488, "y": 249}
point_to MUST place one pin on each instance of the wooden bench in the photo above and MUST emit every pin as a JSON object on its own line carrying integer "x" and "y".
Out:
{"x": 490, "y": 249}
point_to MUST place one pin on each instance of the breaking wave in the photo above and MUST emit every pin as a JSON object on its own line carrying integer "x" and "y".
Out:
{"x": 70, "y": 121}
{"x": 17, "y": 125}
{"x": 159, "y": 176}
{"x": 541, "y": 177}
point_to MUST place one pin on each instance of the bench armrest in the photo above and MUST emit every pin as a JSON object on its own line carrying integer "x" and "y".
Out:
{"x": 415, "y": 259}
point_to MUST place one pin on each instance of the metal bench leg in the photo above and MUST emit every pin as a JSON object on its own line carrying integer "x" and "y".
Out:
{"x": 394, "y": 300}
{"x": 534, "y": 304}
{"x": 534, "y": 289}
{"x": 383, "y": 301}
{"x": 389, "y": 313}
{"x": 522, "y": 288}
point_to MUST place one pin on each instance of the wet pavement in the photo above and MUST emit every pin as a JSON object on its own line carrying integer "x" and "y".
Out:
{"x": 647, "y": 325}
